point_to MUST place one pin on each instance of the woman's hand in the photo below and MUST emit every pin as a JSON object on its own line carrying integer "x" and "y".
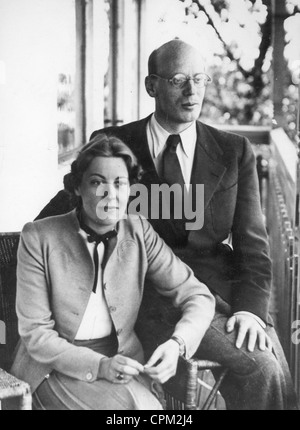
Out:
{"x": 119, "y": 369}
{"x": 162, "y": 365}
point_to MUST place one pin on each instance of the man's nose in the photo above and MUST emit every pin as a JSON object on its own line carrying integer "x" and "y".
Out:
{"x": 189, "y": 87}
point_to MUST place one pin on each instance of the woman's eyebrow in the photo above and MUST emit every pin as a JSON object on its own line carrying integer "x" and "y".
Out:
{"x": 103, "y": 177}
{"x": 97, "y": 174}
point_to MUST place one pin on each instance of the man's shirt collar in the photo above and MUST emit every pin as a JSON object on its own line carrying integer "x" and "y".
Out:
{"x": 160, "y": 136}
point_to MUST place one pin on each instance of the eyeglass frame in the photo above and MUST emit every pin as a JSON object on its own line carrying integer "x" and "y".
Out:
{"x": 206, "y": 81}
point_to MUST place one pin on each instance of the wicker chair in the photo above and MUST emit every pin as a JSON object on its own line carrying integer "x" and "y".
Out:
{"x": 10, "y": 386}
{"x": 180, "y": 392}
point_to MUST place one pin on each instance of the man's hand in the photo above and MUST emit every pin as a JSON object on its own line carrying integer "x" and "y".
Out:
{"x": 248, "y": 326}
{"x": 162, "y": 365}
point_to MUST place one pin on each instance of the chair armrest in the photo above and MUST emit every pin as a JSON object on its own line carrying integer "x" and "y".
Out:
{"x": 182, "y": 388}
{"x": 12, "y": 387}
{"x": 207, "y": 364}
{"x": 211, "y": 365}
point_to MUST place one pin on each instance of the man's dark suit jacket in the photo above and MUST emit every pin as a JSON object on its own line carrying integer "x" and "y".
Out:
{"x": 226, "y": 165}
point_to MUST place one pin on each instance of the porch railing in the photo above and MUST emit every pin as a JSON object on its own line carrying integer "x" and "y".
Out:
{"x": 282, "y": 220}
{"x": 278, "y": 169}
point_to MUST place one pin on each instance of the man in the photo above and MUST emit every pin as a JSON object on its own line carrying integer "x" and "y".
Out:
{"x": 241, "y": 335}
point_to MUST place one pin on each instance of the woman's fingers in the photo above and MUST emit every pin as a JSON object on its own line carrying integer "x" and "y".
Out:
{"x": 120, "y": 369}
{"x": 126, "y": 361}
{"x": 128, "y": 365}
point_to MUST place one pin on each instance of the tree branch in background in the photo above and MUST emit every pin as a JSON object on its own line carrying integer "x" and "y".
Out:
{"x": 212, "y": 24}
{"x": 266, "y": 40}
{"x": 266, "y": 31}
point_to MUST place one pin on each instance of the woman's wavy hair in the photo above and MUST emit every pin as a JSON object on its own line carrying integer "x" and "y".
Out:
{"x": 102, "y": 145}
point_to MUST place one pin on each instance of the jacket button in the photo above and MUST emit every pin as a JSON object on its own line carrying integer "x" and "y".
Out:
{"x": 118, "y": 332}
{"x": 89, "y": 376}
{"x": 104, "y": 286}
{"x": 112, "y": 309}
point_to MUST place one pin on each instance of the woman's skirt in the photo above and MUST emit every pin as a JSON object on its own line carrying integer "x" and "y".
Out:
{"x": 61, "y": 392}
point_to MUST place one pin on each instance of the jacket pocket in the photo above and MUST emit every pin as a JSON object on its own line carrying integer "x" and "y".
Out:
{"x": 223, "y": 205}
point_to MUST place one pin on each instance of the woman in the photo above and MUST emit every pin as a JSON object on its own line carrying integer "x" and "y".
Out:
{"x": 80, "y": 285}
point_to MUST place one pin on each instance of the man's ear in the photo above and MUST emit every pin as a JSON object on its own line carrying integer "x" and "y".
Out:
{"x": 77, "y": 192}
{"x": 150, "y": 87}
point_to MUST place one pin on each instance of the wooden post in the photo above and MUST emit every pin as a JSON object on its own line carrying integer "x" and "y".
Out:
{"x": 117, "y": 78}
{"x": 80, "y": 78}
{"x": 140, "y": 82}
{"x": 296, "y": 316}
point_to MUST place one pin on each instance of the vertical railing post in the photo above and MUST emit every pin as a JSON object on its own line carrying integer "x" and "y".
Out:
{"x": 117, "y": 61}
{"x": 80, "y": 93}
{"x": 297, "y": 227}
{"x": 295, "y": 348}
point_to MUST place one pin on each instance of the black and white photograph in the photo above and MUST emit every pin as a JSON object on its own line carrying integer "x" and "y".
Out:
{"x": 150, "y": 207}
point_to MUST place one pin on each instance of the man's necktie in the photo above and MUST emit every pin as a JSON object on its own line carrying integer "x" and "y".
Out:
{"x": 98, "y": 238}
{"x": 171, "y": 170}
{"x": 172, "y": 174}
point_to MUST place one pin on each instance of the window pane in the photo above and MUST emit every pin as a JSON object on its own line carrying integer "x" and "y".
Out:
{"x": 66, "y": 62}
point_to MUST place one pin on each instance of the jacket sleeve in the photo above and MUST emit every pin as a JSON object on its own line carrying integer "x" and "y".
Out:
{"x": 35, "y": 316}
{"x": 250, "y": 243}
{"x": 173, "y": 279}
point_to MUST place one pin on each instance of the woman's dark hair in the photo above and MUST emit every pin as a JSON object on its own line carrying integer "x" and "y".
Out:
{"x": 103, "y": 145}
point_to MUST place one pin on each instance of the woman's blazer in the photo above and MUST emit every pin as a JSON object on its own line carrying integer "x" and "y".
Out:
{"x": 54, "y": 281}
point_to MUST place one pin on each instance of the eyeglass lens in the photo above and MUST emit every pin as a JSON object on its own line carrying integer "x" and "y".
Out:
{"x": 200, "y": 80}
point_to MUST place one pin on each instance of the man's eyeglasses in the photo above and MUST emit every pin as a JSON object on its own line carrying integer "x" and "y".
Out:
{"x": 179, "y": 80}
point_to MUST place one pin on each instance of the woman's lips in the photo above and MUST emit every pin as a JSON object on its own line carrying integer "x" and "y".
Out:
{"x": 111, "y": 208}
